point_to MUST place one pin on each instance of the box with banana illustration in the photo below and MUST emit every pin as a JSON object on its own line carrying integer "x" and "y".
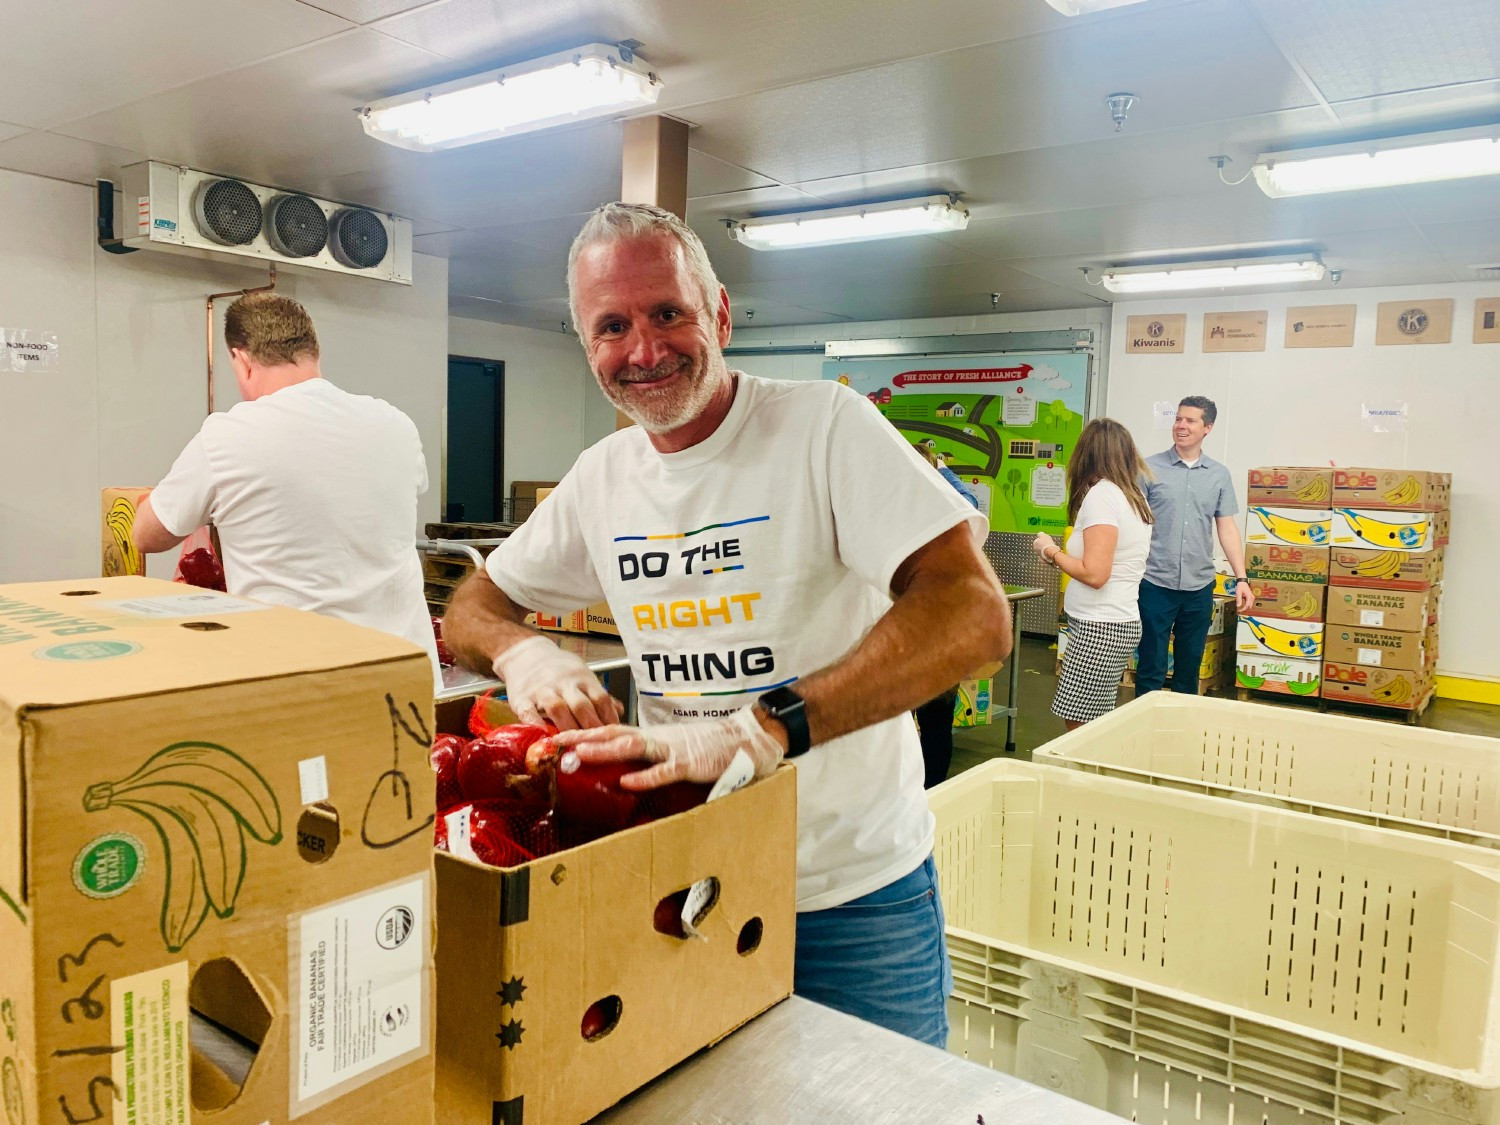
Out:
{"x": 1295, "y": 601}
{"x": 1407, "y": 611}
{"x": 1280, "y": 562}
{"x": 215, "y": 824}
{"x": 1289, "y": 640}
{"x": 1377, "y": 529}
{"x": 1291, "y": 487}
{"x": 117, "y": 510}
{"x": 1292, "y": 527}
{"x": 1392, "y": 488}
{"x": 1391, "y": 570}
{"x": 1278, "y": 676}
{"x": 1376, "y": 648}
{"x": 1382, "y": 687}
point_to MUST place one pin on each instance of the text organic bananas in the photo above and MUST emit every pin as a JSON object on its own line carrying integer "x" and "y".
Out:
{"x": 202, "y": 800}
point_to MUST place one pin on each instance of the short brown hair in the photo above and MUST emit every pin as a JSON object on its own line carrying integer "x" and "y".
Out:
{"x": 273, "y": 329}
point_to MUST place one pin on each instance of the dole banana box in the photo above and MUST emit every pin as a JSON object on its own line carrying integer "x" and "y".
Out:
{"x": 1406, "y": 611}
{"x": 1279, "y": 562}
{"x": 1292, "y": 527}
{"x": 1290, "y": 640}
{"x": 211, "y": 809}
{"x": 1382, "y": 687}
{"x": 1278, "y": 676}
{"x": 1391, "y": 488}
{"x": 1295, "y": 601}
{"x": 1392, "y": 570}
{"x": 1290, "y": 487}
{"x": 1375, "y": 648}
{"x": 117, "y": 512}
{"x": 1379, "y": 529}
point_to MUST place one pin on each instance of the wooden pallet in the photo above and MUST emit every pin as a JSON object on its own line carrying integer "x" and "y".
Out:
{"x": 445, "y": 568}
{"x": 1411, "y": 716}
{"x": 469, "y": 530}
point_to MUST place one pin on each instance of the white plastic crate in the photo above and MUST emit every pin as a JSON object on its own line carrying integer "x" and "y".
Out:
{"x": 1409, "y": 778}
{"x": 1174, "y": 958}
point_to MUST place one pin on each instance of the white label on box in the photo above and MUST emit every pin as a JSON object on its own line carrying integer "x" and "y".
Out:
{"x": 207, "y": 604}
{"x": 313, "y": 773}
{"x": 359, "y": 983}
{"x": 1372, "y": 617}
{"x": 148, "y": 1017}
{"x": 459, "y": 841}
{"x": 1370, "y": 656}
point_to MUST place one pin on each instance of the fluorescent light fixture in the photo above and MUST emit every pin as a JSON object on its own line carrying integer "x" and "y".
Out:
{"x": 1233, "y": 273}
{"x": 933, "y": 214}
{"x": 1421, "y": 159}
{"x": 1084, "y": 7}
{"x": 592, "y": 81}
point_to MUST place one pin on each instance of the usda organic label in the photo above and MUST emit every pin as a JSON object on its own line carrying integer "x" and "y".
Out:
{"x": 87, "y": 650}
{"x": 109, "y": 866}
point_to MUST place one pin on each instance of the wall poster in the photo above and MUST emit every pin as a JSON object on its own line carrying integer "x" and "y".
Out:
{"x": 1006, "y": 424}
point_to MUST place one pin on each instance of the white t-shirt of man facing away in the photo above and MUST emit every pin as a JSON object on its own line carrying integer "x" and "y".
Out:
{"x": 1119, "y": 598}
{"x": 754, "y": 558}
{"x": 314, "y": 494}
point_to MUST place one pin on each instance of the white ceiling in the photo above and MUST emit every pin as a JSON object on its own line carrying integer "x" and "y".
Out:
{"x": 799, "y": 104}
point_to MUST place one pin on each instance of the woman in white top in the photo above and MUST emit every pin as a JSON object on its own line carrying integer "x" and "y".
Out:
{"x": 1105, "y": 558}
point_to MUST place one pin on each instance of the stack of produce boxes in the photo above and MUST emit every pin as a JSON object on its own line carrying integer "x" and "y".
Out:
{"x": 1385, "y": 581}
{"x": 1288, "y": 532}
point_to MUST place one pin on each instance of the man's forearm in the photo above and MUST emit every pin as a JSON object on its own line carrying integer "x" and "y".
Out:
{"x": 946, "y": 622}
{"x": 483, "y": 622}
{"x": 1234, "y": 551}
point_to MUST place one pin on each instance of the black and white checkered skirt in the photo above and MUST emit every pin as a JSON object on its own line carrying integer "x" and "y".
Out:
{"x": 1093, "y": 666}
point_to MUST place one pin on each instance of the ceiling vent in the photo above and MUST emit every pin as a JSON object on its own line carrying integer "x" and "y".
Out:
{"x": 1487, "y": 273}
{"x": 212, "y": 216}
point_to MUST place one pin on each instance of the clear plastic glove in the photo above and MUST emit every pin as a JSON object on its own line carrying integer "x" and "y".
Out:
{"x": 698, "y": 751}
{"x": 545, "y": 684}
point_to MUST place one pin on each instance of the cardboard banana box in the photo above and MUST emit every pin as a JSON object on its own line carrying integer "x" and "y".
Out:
{"x": 1390, "y": 570}
{"x": 1396, "y": 688}
{"x": 117, "y": 512}
{"x": 211, "y": 808}
{"x": 1375, "y": 648}
{"x": 1295, "y": 601}
{"x": 1279, "y": 562}
{"x": 1406, "y": 611}
{"x": 1300, "y": 678}
{"x": 1375, "y": 528}
{"x": 1392, "y": 488}
{"x": 1288, "y": 640}
{"x": 1291, "y": 487}
{"x": 1292, "y": 527}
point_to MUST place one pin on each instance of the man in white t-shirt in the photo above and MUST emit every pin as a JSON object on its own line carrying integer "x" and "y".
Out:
{"x": 313, "y": 491}
{"x": 785, "y": 573}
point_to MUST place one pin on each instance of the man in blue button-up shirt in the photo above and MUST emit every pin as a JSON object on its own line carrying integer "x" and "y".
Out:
{"x": 1192, "y": 498}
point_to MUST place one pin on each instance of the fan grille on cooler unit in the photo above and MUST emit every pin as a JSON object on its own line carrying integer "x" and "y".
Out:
{"x": 227, "y": 212}
{"x": 297, "y": 228}
{"x": 357, "y": 238}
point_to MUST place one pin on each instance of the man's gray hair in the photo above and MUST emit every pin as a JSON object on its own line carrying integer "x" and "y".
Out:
{"x": 616, "y": 222}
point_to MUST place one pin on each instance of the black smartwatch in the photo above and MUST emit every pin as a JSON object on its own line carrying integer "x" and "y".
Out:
{"x": 790, "y": 710}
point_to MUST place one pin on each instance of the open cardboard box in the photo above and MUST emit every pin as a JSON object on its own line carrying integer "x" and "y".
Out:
{"x": 215, "y": 806}
{"x": 525, "y": 953}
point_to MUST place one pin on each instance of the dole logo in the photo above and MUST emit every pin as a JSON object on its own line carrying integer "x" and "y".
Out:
{"x": 1269, "y": 478}
{"x": 1286, "y": 554}
{"x": 1343, "y": 478}
{"x": 1345, "y": 674}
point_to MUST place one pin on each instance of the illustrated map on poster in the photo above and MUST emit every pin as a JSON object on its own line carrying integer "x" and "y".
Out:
{"x": 1005, "y": 424}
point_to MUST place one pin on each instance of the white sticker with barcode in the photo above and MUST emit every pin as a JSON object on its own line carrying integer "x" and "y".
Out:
{"x": 1370, "y": 656}
{"x": 1372, "y": 617}
{"x": 207, "y": 604}
{"x": 313, "y": 773}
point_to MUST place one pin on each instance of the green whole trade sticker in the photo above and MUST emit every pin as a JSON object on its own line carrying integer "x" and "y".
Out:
{"x": 109, "y": 866}
{"x": 87, "y": 650}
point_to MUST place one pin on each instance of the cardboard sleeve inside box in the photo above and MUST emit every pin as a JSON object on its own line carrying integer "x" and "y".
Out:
{"x": 211, "y": 808}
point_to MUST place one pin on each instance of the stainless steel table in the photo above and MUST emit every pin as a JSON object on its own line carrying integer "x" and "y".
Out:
{"x": 1015, "y": 595}
{"x": 803, "y": 1064}
{"x": 603, "y": 655}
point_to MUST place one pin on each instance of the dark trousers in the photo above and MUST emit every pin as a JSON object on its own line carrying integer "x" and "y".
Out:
{"x": 1178, "y": 617}
{"x": 935, "y": 725}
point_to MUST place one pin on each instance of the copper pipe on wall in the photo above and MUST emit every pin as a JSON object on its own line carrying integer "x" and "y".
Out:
{"x": 209, "y": 335}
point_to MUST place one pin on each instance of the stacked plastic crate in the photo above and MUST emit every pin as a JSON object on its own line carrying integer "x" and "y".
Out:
{"x": 1385, "y": 582}
{"x": 1288, "y": 534}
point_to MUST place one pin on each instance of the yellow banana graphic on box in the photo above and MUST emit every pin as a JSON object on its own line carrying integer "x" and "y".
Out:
{"x": 121, "y": 520}
{"x": 1312, "y": 533}
{"x": 1283, "y": 642}
{"x": 1304, "y": 607}
{"x": 202, "y": 799}
{"x": 1387, "y": 564}
{"x": 1397, "y": 691}
{"x": 1383, "y": 533}
{"x": 1314, "y": 491}
{"x": 1407, "y": 492}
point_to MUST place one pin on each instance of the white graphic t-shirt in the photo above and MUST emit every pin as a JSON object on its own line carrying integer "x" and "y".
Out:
{"x": 756, "y": 557}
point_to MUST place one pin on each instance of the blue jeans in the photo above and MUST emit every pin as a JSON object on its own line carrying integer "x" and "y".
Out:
{"x": 882, "y": 958}
{"x": 1180, "y": 617}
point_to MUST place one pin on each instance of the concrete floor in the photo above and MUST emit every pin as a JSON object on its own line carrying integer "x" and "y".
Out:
{"x": 1037, "y": 724}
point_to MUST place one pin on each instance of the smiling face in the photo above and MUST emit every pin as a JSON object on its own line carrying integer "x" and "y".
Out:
{"x": 1189, "y": 429}
{"x": 654, "y": 340}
